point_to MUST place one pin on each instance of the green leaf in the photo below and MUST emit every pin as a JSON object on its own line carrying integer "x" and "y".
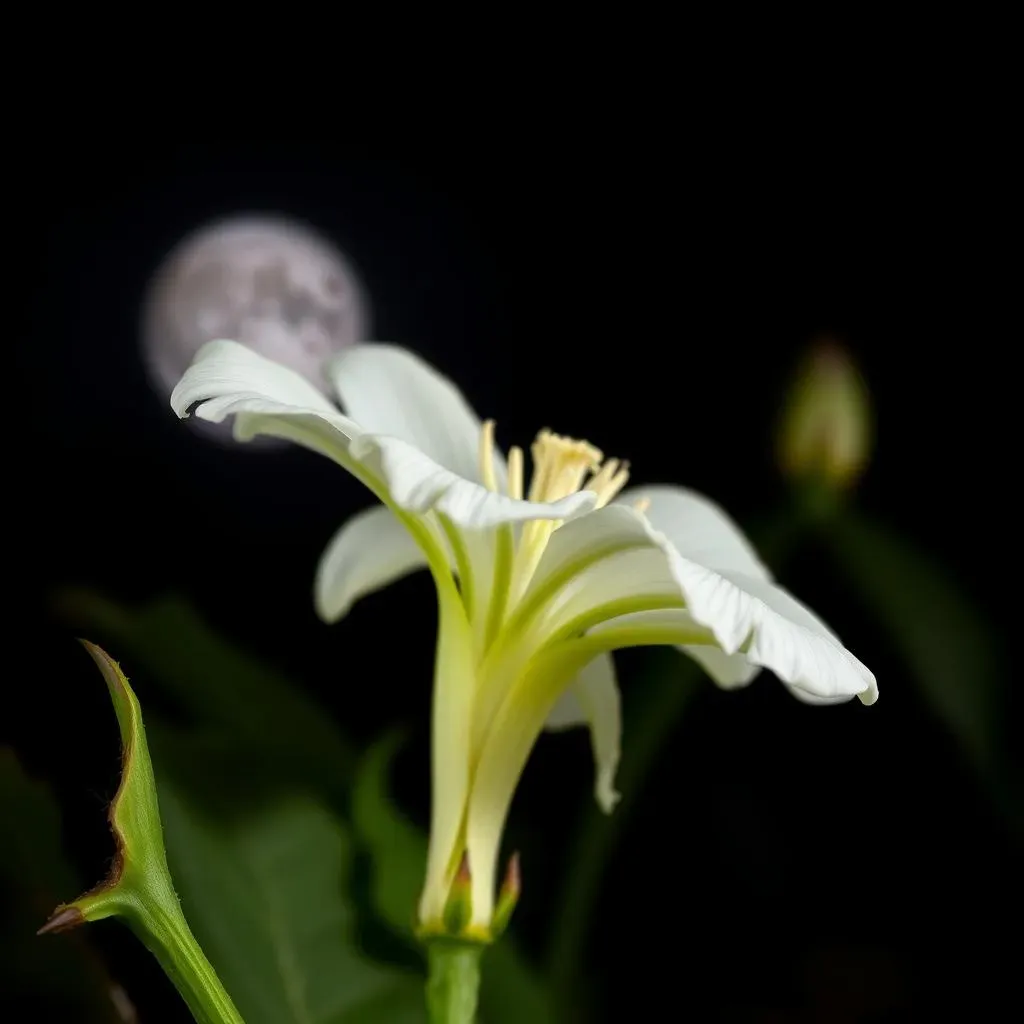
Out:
{"x": 139, "y": 888}
{"x": 398, "y": 849}
{"x": 263, "y": 873}
{"x": 511, "y": 991}
{"x": 401, "y": 1005}
{"x": 215, "y": 682}
{"x": 60, "y": 981}
{"x": 953, "y": 654}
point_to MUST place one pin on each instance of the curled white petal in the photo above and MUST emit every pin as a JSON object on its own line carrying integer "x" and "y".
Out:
{"x": 671, "y": 626}
{"x": 729, "y": 671}
{"x": 225, "y": 374}
{"x": 773, "y": 630}
{"x": 614, "y": 557}
{"x": 698, "y": 528}
{"x": 228, "y": 379}
{"x": 593, "y": 700}
{"x": 370, "y": 551}
{"x": 417, "y": 483}
{"x": 390, "y": 390}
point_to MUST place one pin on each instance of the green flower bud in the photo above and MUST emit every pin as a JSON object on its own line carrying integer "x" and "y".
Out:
{"x": 826, "y": 430}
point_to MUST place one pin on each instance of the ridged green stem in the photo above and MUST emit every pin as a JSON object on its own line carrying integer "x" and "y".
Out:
{"x": 453, "y": 981}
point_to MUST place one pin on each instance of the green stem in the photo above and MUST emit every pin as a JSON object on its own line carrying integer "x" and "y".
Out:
{"x": 453, "y": 981}
{"x": 168, "y": 937}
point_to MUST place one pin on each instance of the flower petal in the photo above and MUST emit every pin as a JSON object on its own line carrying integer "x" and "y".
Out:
{"x": 584, "y": 544}
{"x": 788, "y": 638}
{"x": 266, "y": 398}
{"x": 698, "y": 528}
{"x": 390, "y": 390}
{"x": 702, "y": 531}
{"x": 758, "y": 621}
{"x": 370, "y": 551}
{"x": 419, "y": 484}
{"x": 729, "y": 671}
{"x": 229, "y": 379}
{"x": 669, "y": 626}
{"x": 225, "y": 372}
{"x": 594, "y": 567}
{"x": 454, "y": 677}
{"x": 514, "y": 731}
{"x": 775, "y": 631}
{"x": 593, "y": 700}
{"x": 747, "y": 615}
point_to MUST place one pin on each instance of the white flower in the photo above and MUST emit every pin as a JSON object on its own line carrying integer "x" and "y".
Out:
{"x": 536, "y": 584}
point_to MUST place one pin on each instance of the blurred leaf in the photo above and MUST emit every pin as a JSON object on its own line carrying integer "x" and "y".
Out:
{"x": 214, "y": 681}
{"x": 402, "y": 1005}
{"x": 953, "y": 654}
{"x": 398, "y": 849}
{"x": 263, "y": 875}
{"x": 59, "y": 981}
{"x": 511, "y": 991}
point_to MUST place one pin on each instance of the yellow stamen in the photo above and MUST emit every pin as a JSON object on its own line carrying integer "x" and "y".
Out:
{"x": 538, "y": 480}
{"x": 515, "y": 472}
{"x": 598, "y": 480}
{"x": 608, "y": 481}
{"x": 560, "y": 466}
{"x": 642, "y": 504}
{"x": 487, "y": 472}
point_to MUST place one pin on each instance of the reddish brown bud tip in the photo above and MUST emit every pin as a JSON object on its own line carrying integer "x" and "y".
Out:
{"x": 508, "y": 896}
{"x": 459, "y": 907}
{"x": 463, "y": 876}
{"x": 63, "y": 919}
{"x": 513, "y": 883}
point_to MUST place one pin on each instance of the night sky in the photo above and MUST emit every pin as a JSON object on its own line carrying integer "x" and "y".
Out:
{"x": 782, "y": 857}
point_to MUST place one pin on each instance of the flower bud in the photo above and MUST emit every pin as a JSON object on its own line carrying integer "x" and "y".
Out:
{"x": 459, "y": 908}
{"x": 508, "y": 897}
{"x": 825, "y": 435}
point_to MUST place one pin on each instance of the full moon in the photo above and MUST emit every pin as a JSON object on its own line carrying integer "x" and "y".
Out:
{"x": 268, "y": 283}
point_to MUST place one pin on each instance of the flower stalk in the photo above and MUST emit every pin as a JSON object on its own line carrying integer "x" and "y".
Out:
{"x": 453, "y": 980}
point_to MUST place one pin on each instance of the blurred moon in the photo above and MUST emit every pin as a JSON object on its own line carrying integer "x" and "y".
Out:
{"x": 269, "y": 283}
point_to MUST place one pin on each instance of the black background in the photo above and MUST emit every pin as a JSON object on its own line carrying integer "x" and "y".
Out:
{"x": 785, "y": 863}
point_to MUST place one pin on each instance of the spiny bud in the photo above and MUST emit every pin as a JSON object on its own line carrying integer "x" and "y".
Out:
{"x": 63, "y": 919}
{"x": 508, "y": 896}
{"x": 825, "y": 435}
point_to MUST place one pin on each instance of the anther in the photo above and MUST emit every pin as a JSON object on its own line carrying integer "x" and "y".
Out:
{"x": 515, "y": 472}
{"x": 487, "y": 473}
